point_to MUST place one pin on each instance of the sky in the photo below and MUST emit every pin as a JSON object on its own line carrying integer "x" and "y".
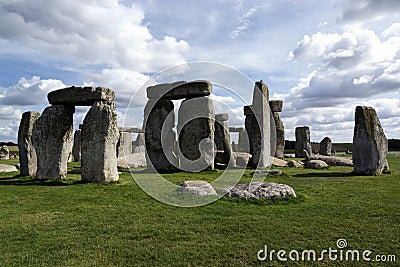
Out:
{"x": 322, "y": 58}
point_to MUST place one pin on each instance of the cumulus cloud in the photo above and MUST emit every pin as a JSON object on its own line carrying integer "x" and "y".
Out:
{"x": 87, "y": 32}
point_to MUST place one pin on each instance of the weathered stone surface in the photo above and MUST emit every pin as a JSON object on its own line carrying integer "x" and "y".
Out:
{"x": 52, "y": 139}
{"x": 302, "y": 141}
{"x": 76, "y": 148}
{"x": 332, "y": 160}
{"x": 258, "y": 190}
{"x": 140, "y": 140}
{"x": 197, "y": 188}
{"x": 242, "y": 158}
{"x": 279, "y": 162}
{"x": 243, "y": 142}
{"x": 80, "y": 96}
{"x": 276, "y": 105}
{"x": 222, "y": 139}
{"x": 236, "y": 129}
{"x": 258, "y": 126}
{"x": 4, "y": 153}
{"x": 159, "y": 119}
{"x": 179, "y": 90}
{"x": 131, "y": 129}
{"x": 196, "y": 134}
{"x": 325, "y": 147}
{"x": 316, "y": 164}
{"x": 124, "y": 145}
{"x": 8, "y": 168}
{"x": 370, "y": 145}
{"x": 280, "y": 135}
{"x": 295, "y": 164}
{"x": 135, "y": 160}
{"x": 99, "y": 144}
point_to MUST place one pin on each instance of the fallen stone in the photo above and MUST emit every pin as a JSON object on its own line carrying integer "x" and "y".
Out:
{"x": 257, "y": 190}
{"x": 80, "y": 96}
{"x": 295, "y": 164}
{"x": 197, "y": 188}
{"x": 7, "y": 168}
{"x": 268, "y": 172}
{"x": 279, "y": 162}
{"x": 179, "y": 90}
{"x": 370, "y": 145}
{"x": 332, "y": 160}
{"x": 316, "y": 164}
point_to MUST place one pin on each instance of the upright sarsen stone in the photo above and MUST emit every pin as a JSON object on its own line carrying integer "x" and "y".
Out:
{"x": 222, "y": 139}
{"x": 196, "y": 134}
{"x": 27, "y": 152}
{"x": 302, "y": 142}
{"x": 52, "y": 139}
{"x": 276, "y": 107}
{"x": 124, "y": 145}
{"x": 159, "y": 119}
{"x": 370, "y": 145}
{"x": 325, "y": 147}
{"x": 99, "y": 144}
{"x": 76, "y": 148}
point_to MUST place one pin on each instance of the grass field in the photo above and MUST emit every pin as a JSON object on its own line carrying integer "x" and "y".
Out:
{"x": 66, "y": 223}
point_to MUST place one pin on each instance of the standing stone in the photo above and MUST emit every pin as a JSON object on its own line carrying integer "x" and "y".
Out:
{"x": 27, "y": 152}
{"x": 4, "y": 153}
{"x": 325, "y": 147}
{"x": 258, "y": 126}
{"x": 276, "y": 107}
{"x": 139, "y": 144}
{"x": 370, "y": 145}
{"x": 124, "y": 145}
{"x": 52, "y": 139}
{"x": 159, "y": 119}
{"x": 222, "y": 139}
{"x": 196, "y": 134}
{"x": 76, "y": 148}
{"x": 303, "y": 142}
{"x": 99, "y": 143}
{"x": 243, "y": 142}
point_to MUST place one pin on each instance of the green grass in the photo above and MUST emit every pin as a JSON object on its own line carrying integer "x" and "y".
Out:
{"x": 66, "y": 223}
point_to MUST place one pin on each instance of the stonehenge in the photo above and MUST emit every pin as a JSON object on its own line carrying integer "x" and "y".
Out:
{"x": 302, "y": 142}
{"x": 194, "y": 150}
{"x": 27, "y": 152}
{"x": 51, "y": 136}
{"x": 370, "y": 145}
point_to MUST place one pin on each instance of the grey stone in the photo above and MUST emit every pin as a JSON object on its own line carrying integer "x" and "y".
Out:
{"x": 370, "y": 145}
{"x": 257, "y": 190}
{"x": 280, "y": 136}
{"x": 302, "y": 141}
{"x": 258, "y": 126}
{"x": 76, "y": 148}
{"x": 268, "y": 172}
{"x": 243, "y": 142}
{"x": 196, "y": 134}
{"x": 136, "y": 160}
{"x": 222, "y": 139}
{"x": 52, "y": 139}
{"x": 325, "y": 147}
{"x": 236, "y": 129}
{"x": 279, "y": 162}
{"x": 276, "y": 105}
{"x": 159, "y": 119}
{"x": 197, "y": 188}
{"x": 124, "y": 145}
{"x": 179, "y": 90}
{"x": 331, "y": 160}
{"x": 140, "y": 140}
{"x": 316, "y": 164}
{"x": 99, "y": 144}
{"x": 131, "y": 129}
{"x": 295, "y": 164}
{"x": 242, "y": 158}
{"x": 8, "y": 168}
{"x": 80, "y": 96}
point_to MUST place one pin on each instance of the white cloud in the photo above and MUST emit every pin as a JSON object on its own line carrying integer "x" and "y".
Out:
{"x": 87, "y": 32}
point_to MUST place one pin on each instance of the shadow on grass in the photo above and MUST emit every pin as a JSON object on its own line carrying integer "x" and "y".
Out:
{"x": 324, "y": 175}
{"x": 20, "y": 180}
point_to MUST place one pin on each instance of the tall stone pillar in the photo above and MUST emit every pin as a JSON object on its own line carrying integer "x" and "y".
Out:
{"x": 27, "y": 152}
{"x": 302, "y": 142}
{"x": 243, "y": 142}
{"x": 124, "y": 146}
{"x": 222, "y": 139}
{"x": 325, "y": 147}
{"x": 276, "y": 107}
{"x": 196, "y": 134}
{"x": 99, "y": 143}
{"x": 159, "y": 119}
{"x": 76, "y": 148}
{"x": 52, "y": 139}
{"x": 370, "y": 145}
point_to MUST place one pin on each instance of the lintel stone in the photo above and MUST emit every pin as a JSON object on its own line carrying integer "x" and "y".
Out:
{"x": 80, "y": 96}
{"x": 179, "y": 90}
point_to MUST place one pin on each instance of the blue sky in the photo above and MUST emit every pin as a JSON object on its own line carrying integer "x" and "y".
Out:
{"x": 323, "y": 58}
